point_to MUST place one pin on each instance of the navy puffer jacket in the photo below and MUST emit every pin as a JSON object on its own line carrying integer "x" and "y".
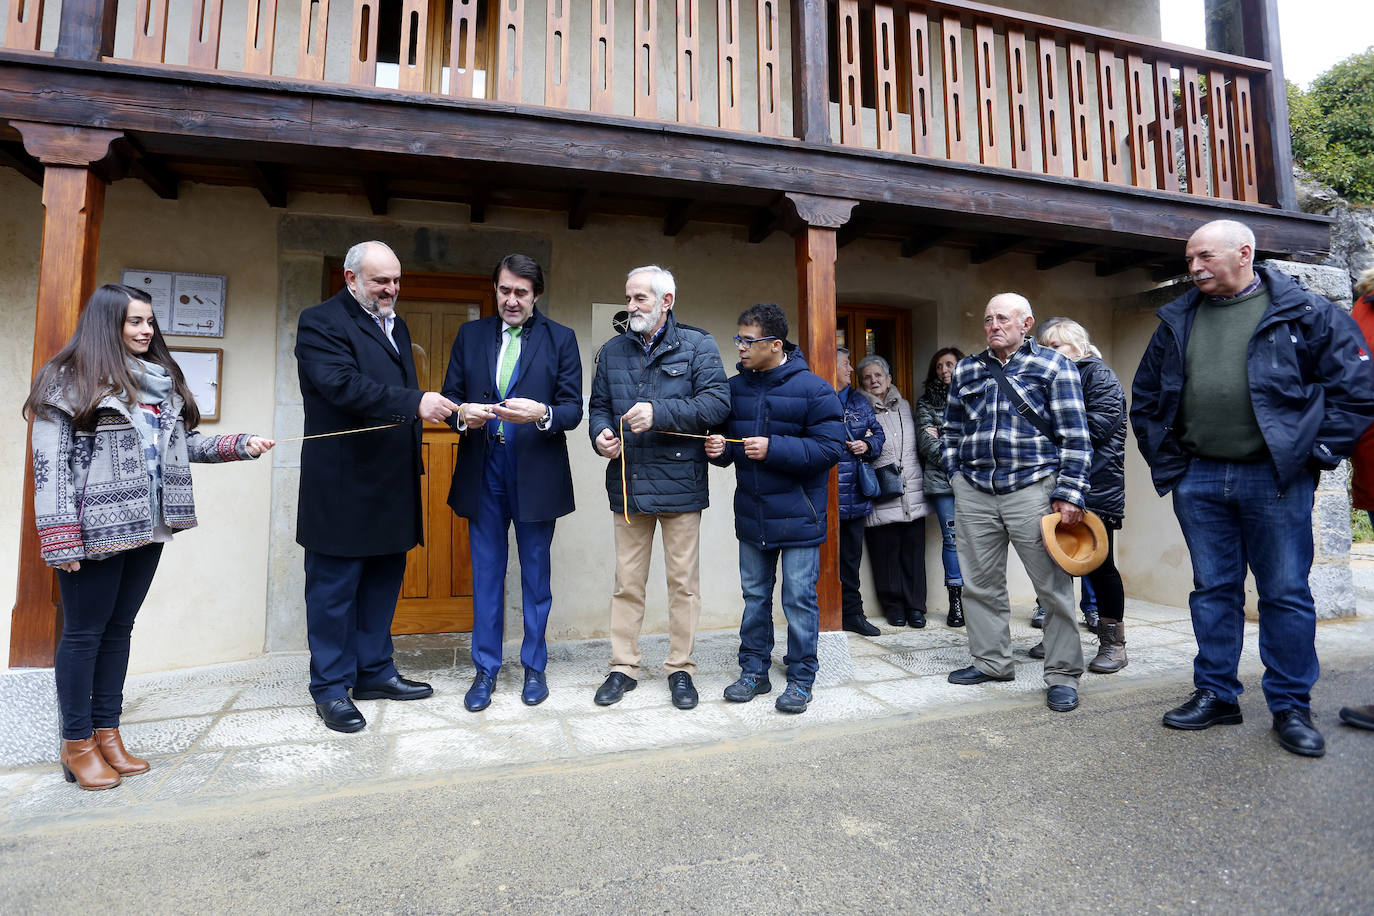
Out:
{"x": 780, "y": 501}
{"x": 1105, "y": 402}
{"x": 1309, "y": 375}
{"x": 684, "y": 379}
{"x": 860, "y": 422}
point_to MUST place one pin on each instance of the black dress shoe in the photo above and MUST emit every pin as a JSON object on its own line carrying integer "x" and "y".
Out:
{"x": 1037, "y": 650}
{"x": 340, "y": 715}
{"x": 1203, "y": 710}
{"x": 1296, "y": 734}
{"x": 680, "y": 686}
{"x": 1061, "y": 698}
{"x": 478, "y": 696}
{"x": 861, "y": 626}
{"x": 1038, "y": 618}
{"x": 896, "y": 619}
{"x": 536, "y": 689}
{"x": 916, "y": 619}
{"x": 398, "y": 688}
{"x": 971, "y": 675}
{"x": 614, "y": 689}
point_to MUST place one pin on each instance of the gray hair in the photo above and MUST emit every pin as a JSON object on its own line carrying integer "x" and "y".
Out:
{"x": 873, "y": 360}
{"x": 354, "y": 259}
{"x": 1070, "y": 332}
{"x": 841, "y": 351}
{"x": 660, "y": 280}
{"x": 1021, "y": 303}
{"x": 1234, "y": 233}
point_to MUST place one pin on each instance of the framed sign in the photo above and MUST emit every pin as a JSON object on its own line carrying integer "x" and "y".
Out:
{"x": 189, "y": 305}
{"x": 202, "y": 367}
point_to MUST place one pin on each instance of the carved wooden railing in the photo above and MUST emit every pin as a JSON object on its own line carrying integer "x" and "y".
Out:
{"x": 717, "y": 63}
{"x": 973, "y": 83}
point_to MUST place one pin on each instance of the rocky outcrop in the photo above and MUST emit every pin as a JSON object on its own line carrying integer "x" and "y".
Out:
{"x": 1352, "y": 235}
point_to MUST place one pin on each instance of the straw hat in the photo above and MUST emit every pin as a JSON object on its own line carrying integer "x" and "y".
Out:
{"x": 1078, "y": 549}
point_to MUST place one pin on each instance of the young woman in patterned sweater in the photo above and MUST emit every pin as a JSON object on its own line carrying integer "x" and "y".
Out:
{"x": 113, "y": 432}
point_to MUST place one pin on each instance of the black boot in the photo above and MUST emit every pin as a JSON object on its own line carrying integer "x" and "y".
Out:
{"x": 956, "y": 606}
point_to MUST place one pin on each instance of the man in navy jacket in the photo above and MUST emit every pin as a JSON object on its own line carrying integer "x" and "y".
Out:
{"x": 358, "y": 510}
{"x": 788, "y": 423}
{"x": 518, "y": 379}
{"x": 658, "y": 375}
{"x": 1250, "y": 386}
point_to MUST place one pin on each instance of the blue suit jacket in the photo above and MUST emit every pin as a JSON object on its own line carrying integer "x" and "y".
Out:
{"x": 549, "y": 371}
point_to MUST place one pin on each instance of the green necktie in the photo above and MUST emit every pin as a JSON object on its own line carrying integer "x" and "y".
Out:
{"x": 509, "y": 357}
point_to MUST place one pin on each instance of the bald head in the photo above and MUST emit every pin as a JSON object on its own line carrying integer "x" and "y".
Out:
{"x": 1221, "y": 258}
{"x": 372, "y": 273}
{"x": 1006, "y": 322}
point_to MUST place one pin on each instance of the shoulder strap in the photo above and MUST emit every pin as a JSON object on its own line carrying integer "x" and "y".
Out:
{"x": 1018, "y": 402}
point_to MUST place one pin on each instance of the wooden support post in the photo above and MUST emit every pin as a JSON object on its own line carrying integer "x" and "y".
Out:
{"x": 87, "y": 29}
{"x": 815, "y": 257}
{"x": 810, "y": 68}
{"x": 1274, "y": 156}
{"x": 73, "y": 202}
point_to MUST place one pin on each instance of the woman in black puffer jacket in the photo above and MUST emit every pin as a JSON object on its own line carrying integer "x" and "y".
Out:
{"x": 1105, "y": 401}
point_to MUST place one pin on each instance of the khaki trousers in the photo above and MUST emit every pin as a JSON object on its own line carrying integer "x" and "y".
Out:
{"x": 634, "y": 546}
{"x": 984, "y": 525}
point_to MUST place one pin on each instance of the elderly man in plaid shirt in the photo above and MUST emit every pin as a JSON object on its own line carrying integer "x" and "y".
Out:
{"x": 1010, "y": 464}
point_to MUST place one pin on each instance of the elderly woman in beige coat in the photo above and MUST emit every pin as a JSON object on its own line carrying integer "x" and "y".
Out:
{"x": 895, "y": 530}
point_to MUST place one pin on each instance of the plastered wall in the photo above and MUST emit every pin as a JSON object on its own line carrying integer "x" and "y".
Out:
{"x": 232, "y": 588}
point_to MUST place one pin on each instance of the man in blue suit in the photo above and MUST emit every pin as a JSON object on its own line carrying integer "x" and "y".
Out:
{"x": 517, "y": 378}
{"x": 359, "y": 506}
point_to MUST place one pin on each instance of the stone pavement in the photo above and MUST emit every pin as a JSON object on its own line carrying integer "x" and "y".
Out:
{"x": 248, "y": 730}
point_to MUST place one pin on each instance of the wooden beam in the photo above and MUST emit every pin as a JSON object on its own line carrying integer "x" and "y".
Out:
{"x": 378, "y": 197}
{"x": 851, "y": 231}
{"x": 13, "y": 155}
{"x": 1273, "y": 144}
{"x": 1123, "y": 262}
{"x": 810, "y": 71}
{"x": 153, "y": 172}
{"x": 994, "y": 248}
{"x": 87, "y": 31}
{"x": 73, "y": 204}
{"x": 235, "y": 117}
{"x": 1170, "y": 270}
{"x": 581, "y": 207}
{"x": 1062, "y": 254}
{"x": 270, "y": 181}
{"x": 924, "y": 240}
{"x": 765, "y": 221}
{"x": 815, "y": 257}
{"x": 477, "y": 204}
{"x": 679, "y": 213}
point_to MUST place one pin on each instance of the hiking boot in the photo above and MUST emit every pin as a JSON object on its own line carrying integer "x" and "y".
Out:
{"x": 794, "y": 699}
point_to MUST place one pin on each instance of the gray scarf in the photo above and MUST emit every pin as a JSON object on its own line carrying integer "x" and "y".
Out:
{"x": 154, "y": 387}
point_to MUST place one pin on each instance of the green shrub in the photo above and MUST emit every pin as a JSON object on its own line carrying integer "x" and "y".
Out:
{"x": 1332, "y": 126}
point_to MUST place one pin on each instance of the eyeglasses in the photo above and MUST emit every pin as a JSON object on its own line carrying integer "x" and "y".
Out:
{"x": 744, "y": 343}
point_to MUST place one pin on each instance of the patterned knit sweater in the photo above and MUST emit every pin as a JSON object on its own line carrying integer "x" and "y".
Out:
{"x": 91, "y": 487}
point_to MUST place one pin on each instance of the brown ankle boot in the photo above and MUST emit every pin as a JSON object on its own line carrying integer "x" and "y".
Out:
{"x": 1111, "y": 651}
{"x": 112, "y": 749}
{"x": 83, "y": 765}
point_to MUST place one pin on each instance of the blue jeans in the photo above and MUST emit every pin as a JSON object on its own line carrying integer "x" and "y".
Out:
{"x": 1234, "y": 516}
{"x": 801, "y": 566}
{"x": 99, "y": 603}
{"x": 949, "y": 556}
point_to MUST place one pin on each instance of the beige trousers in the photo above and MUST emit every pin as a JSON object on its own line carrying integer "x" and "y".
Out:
{"x": 634, "y": 547}
{"x": 985, "y": 524}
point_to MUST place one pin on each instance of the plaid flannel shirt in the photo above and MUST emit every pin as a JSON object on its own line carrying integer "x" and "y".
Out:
{"x": 999, "y": 451}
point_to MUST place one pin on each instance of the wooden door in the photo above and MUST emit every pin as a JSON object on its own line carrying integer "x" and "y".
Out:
{"x": 436, "y": 596}
{"x": 880, "y": 330}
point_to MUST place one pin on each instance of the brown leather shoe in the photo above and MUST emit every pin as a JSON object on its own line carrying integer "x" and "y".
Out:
{"x": 83, "y": 765}
{"x": 111, "y": 747}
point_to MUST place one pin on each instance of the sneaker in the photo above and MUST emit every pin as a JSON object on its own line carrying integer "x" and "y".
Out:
{"x": 1038, "y": 618}
{"x": 747, "y": 687}
{"x": 794, "y": 699}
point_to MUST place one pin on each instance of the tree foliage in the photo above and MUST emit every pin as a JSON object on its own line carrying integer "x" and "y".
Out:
{"x": 1333, "y": 127}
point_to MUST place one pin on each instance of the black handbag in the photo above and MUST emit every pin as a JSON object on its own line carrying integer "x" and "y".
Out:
{"x": 889, "y": 481}
{"x": 868, "y": 480}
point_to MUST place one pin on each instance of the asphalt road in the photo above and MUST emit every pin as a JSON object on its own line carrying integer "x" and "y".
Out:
{"x": 1010, "y": 811}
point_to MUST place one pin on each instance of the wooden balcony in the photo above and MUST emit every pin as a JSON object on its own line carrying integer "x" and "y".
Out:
{"x": 935, "y": 117}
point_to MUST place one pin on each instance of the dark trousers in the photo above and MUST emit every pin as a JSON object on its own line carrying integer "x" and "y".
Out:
{"x": 851, "y": 553}
{"x": 99, "y": 603}
{"x": 1106, "y": 584}
{"x": 349, "y": 605}
{"x": 488, "y": 541}
{"x": 897, "y": 554}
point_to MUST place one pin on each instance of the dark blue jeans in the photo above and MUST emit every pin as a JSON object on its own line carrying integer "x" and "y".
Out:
{"x": 349, "y": 606}
{"x": 1234, "y": 516}
{"x": 99, "y": 603}
{"x": 949, "y": 554}
{"x": 757, "y": 574}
